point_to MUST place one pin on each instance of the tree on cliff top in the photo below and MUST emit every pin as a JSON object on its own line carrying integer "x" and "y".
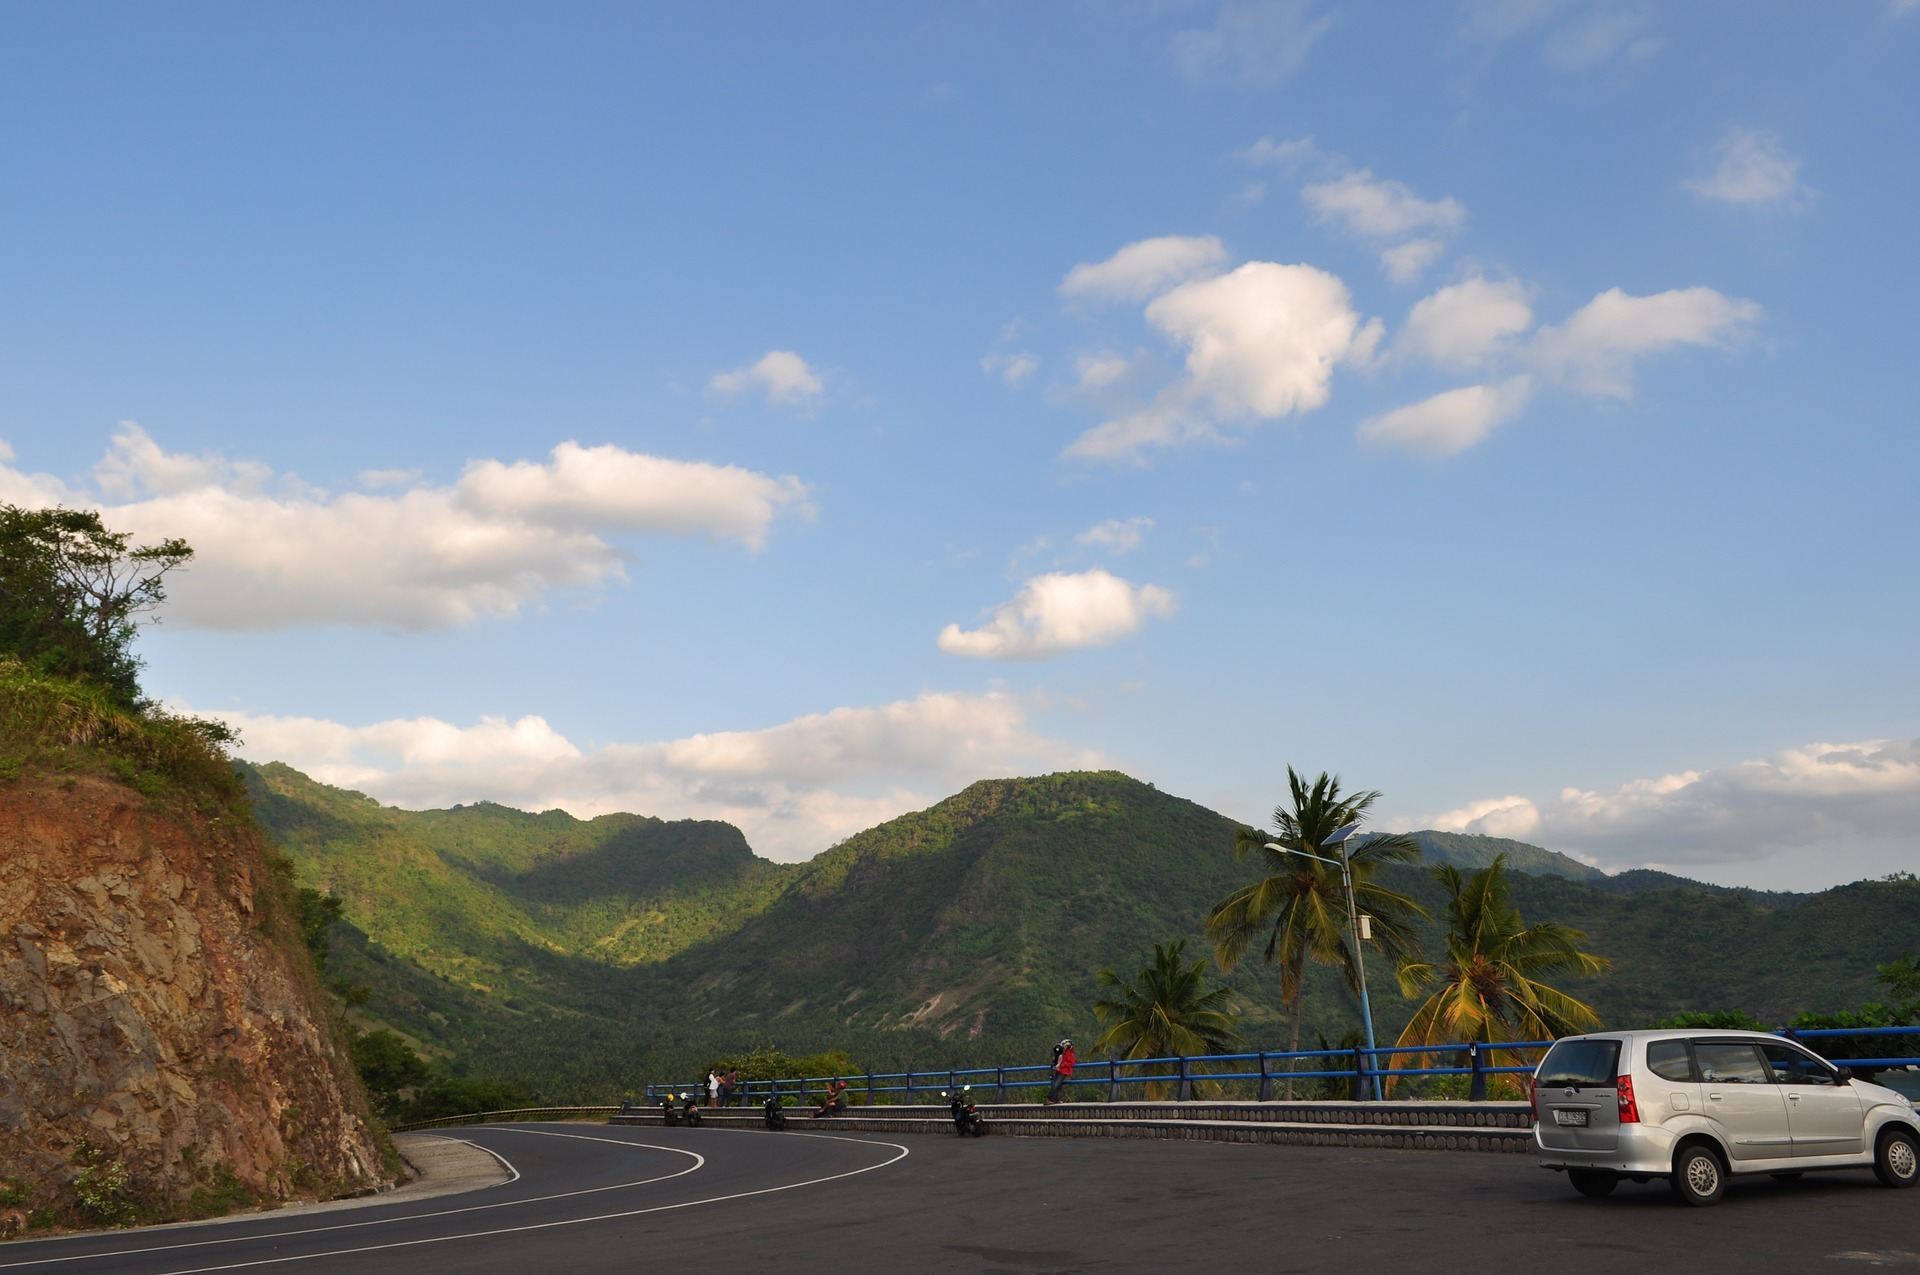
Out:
{"x": 72, "y": 592}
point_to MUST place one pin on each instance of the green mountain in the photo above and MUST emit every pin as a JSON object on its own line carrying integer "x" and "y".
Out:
{"x": 583, "y": 957}
{"x": 1469, "y": 851}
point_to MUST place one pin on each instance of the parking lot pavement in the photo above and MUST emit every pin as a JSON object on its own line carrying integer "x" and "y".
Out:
{"x": 1017, "y": 1204}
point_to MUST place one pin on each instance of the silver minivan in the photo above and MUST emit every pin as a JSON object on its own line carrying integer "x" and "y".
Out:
{"x": 1697, "y": 1107}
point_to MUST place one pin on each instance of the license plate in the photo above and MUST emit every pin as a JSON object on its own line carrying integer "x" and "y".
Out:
{"x": 1562, "y": 1116}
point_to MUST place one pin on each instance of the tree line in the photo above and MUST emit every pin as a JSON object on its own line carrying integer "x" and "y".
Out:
{"x": 1488, "y": 984}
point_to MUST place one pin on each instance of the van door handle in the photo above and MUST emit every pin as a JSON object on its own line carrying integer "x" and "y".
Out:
{"x": 1713, "y": 1097}
{"x": 1793, "y": 1097}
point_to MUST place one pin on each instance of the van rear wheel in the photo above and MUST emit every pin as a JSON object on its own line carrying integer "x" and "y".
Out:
{"x": 1699, "y": 1178}
{"x": 1592, "y": 1182}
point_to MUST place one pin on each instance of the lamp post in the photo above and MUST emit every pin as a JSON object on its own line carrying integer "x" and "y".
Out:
{"x": 1339, "y": 837}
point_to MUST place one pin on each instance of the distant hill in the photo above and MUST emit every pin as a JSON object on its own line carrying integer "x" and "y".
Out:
{"x": 584, "y": 956}
{"x": 1468, "y": 852}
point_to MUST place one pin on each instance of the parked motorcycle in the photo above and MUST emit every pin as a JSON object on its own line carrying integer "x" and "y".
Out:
{"x": 966, "y": 1117}
{"x": 689, "y": 1110}
{"x": 776, "y": 1115}
{"x": 669, "y": 1116}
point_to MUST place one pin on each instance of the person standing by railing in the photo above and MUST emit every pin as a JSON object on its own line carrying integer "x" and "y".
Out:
{"x": 1062, "y": 1070}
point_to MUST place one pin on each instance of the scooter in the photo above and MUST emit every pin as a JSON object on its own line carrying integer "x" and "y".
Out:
{"x": 776, "y": 1115}
{"x": 966, "y": 1117}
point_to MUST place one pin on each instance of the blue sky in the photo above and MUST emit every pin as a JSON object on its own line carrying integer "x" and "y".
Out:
{"x": 791, "y": 414}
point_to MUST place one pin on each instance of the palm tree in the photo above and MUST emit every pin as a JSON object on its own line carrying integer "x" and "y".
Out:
{"x": 1301, "y": 904}
{"x": 1167, "y": 1009}
{"x": 1489, "y": 986}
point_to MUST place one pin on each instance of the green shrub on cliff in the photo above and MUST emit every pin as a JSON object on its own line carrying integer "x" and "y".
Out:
{"x": 59, "y": 724}
{"x": 102, "y": 1190}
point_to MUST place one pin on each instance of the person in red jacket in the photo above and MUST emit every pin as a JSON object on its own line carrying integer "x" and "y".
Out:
{"x": 1062, "y": 1069}
{"x": 836, "y": 1099}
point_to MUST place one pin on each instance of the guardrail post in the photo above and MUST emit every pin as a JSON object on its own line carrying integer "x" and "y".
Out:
{"x": 1266, "y": 1077}
{"x": 1000, "y": 1084}
{"x": 1359, "y": 1074}
{"x": 1113, "y": 1080}
{"x": 953, "y": 1081}
{"x": 1477, "y": 1087}
{"x": 869, "y": 1089}
{"x": 909, "y": 1086}
{"x": 1184, "y": 1090}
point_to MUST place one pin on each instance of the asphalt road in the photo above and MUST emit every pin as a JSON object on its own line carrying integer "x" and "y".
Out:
{"x": 600, "y": 1199}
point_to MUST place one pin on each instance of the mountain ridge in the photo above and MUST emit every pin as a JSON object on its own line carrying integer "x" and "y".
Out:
{"x": 971, "y": 930}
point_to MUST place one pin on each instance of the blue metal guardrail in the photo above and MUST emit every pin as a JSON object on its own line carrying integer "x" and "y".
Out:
{"x": 1261, "y": 1069}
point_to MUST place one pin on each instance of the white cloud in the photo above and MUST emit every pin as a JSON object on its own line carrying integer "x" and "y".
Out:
{"x": 794, "y": 788}
{"x": 610, "y": 488}
{"x": 1512, "y": 817}
{"x": 1595, "y": 349}
{"x": 1466, "y": 324}
{"x": 1593, "y": 35}
{"x": 1142, "y": 269}
{"x": 1262, "y": 342}
{"x": 1449, "y": 422}
{"x": 1115, "y": 535}
{"x": 1100, "y": 370}
{"x": 1011, "y": 368}
{"x": 1252, "y": 43}
{"x": 1287, "y": 155}
{"x": 782, "y": 375}
{"x": 1405, "y": 263}
{"x": 420, "y": 557}
{"x": 1803, "y": 818}
{"x": 1598, "y": 38}
{"x": 1496, "y": 20}
{"x": 1379, "y": 208}
{"x": 136, "y": 466}
{"x": 1060, "y": 612}
{"x": 1752, "y": 168}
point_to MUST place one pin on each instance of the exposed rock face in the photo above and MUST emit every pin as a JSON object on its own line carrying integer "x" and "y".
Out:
{"x": 152, "y": 1003}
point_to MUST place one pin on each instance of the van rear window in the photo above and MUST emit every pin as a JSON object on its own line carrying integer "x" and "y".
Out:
{"x": 1669, "y": 1060}
{"x": 1582, "y": 1062}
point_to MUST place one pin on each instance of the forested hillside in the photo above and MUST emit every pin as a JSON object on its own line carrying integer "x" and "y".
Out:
{"x": 581, "y": 957}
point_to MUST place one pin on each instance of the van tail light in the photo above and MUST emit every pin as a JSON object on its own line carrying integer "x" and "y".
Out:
{"x": 1629, "y": 1109}
{"x": 1533, "y": 1095}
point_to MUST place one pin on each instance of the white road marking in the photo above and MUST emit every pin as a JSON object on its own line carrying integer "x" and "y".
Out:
{"x": 603, "y": 1217}
{"x": 699, "y": 1161}
{"x": 513, "y": 1173}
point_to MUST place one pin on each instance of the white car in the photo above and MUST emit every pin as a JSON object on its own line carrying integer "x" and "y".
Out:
{"x": 1697, "y": 1107}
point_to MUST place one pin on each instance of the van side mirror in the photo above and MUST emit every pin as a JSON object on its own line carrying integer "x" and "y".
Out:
{"x": 1846, "y": 1074}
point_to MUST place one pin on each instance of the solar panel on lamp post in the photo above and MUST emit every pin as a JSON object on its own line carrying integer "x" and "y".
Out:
{"x": 1339, "y": 837}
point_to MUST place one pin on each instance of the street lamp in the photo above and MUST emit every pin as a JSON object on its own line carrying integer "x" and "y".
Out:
{"x": 1339, "y": 837}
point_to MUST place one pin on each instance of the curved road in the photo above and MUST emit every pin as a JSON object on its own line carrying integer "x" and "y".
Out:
{"x": 591, "y": 1199}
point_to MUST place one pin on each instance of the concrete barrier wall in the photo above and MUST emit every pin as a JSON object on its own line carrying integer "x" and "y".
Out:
{"x": 1451, "y": 1126}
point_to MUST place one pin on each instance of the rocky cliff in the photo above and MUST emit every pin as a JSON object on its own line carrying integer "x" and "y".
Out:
{"x": 162, "y": 1051}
